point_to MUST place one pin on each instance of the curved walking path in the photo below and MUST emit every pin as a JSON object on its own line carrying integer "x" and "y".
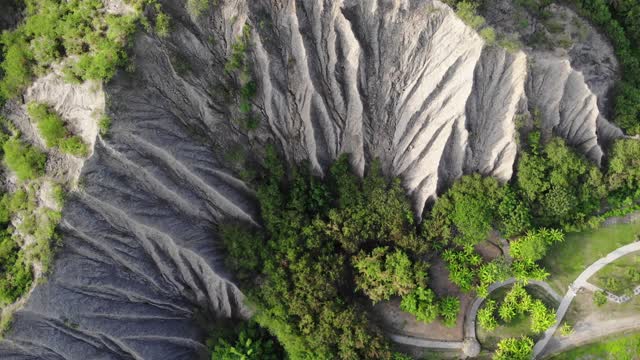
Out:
{"x": 581, "y": 281}
{"x": 469, "y": 322}
{"x": 470, "y": 317}
{"x": 565, "y": 302}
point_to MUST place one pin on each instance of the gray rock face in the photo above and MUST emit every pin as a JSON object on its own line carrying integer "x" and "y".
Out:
{"x": 403, "y": 81}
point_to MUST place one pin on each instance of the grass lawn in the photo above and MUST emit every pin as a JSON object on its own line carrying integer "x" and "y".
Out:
{"x": 519, "y": 326}
{"x": 626, "y": 347}
{"x": 566, "y": 260}
{"x": 620, "y": 276}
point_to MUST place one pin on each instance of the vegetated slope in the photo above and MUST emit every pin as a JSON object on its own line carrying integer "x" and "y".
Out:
{"x": 406, "y": 82}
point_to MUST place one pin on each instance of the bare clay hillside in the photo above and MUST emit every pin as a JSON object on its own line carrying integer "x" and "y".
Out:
{"x": 404, "y": 81}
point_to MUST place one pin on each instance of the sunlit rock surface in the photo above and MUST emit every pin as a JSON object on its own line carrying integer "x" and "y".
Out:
{"x": 403, "y": 81}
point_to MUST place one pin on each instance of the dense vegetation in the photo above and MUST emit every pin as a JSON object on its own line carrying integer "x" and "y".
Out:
{"x": 80, "y": 35}
{"x": 324, "y": 239}
{"x": 329, "y": 241}
{"x": 22, "y": 217}
{"x": 15, "y": 273}
{"x": 53, "y": 30}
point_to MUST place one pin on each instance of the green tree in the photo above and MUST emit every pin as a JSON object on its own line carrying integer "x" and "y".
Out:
{"x": 245, "y": 247}
{"x": 421, "y": 303}
{"x": 382, "y": 274}
{"x": 623, "y": 175}
{"x": 534, "y": 245}
{"x": 466, "y": 212}
{"x": 515, "y": 216}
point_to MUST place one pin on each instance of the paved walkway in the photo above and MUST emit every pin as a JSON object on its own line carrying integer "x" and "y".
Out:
{"x": 581, "y": 281}
{"x": 432, "y": 344}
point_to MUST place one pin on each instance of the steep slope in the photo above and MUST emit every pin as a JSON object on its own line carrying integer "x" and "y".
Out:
{"x": 403, "y": 81}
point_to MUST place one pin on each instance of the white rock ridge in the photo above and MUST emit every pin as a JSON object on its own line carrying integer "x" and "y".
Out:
{"x": 411, "y": 84}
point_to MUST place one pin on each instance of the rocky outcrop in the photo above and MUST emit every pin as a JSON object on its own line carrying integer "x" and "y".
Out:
{"x": 403, "y": 81}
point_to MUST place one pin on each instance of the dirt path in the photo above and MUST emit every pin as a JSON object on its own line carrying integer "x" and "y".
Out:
{"x": 588, "y": 332}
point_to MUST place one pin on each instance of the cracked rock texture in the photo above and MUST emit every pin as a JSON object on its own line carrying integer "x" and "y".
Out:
{"x": 404, "y": 81}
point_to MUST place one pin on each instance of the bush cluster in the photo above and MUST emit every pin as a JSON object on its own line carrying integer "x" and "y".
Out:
{"x": 517, "y": 302}
{"x": 325, "y": 238}
{"x": 239, "y": 64}
{"x": 54, "y": 132}
{"x": 26, "y": 161}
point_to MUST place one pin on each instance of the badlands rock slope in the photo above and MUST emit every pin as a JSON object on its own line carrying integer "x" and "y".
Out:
{"x": 404, "y": 81}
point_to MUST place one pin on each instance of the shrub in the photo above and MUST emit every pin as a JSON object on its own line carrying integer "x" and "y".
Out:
{"x": 15, "y": 275}
{"x": 251, "y": 343}
{"x": 542, "y": 317}
{"x": 449, "y": 309}
{"x": 58, "y": 195}
{"x": 467, "y": 12}
{"x": 533, "y": 246}
{"x": 599, "y": 298}
{"x": 197, "y": 7}
{"x": 566, "y": 329}
{"x": 51, "y": 126}
{"x": 489, "y": 35}
{"x": 163, "y": 24}
{"x": 511, "y": 45}
{"x": 15, "y": 66}
{"x": 486, "y": 318}
{"x": 75, "y": 146}
{"x": 514, "y": 349}
{"x": 104, "y": 124}
{"x": 52, "y": 30}
{"x": 24, "y": 160}
{"x": 53, "y": 130}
